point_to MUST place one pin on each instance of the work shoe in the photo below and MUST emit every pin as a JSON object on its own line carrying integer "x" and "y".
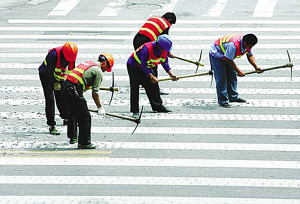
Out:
{"x": 73, "y": 140}
{"x": 53, "y": 130}
{"x": 65, "y": 122}
{"x": 240, "y": 100}
{"x": 90, "y": 146}
{"x": 135, "y": 115}
{"x": 226, "y": 105}
{"x": 162, "y": 109}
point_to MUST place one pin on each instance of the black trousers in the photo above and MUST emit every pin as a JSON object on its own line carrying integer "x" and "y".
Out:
{"x": 78, "y": 113}
{"x": 49, "y": 94}
{"x": 137, "y": 77}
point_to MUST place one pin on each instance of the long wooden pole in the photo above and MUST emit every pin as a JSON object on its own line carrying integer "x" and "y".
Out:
{"x": 119, "y": 116}
{"x": 109, "y": 88}
{"x": 187, "y": 76}
{"x": 272, "y": 68}
{"x": 190, "y": 61}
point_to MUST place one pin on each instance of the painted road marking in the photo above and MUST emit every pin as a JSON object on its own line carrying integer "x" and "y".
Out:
{"x": 164, "y": 116}
{"x": 126, "y": 56}
{"x": 121, "y": 67}
{"x": 278, "y": 103}
{"x": 129, "y": 46}
{"x": 63, "y": 7}
{"x": 139, "y": 22}
{"x": 264, "y": 8}
{"x": 42, "y": 147}
{"x": 142, "y": 200}
{"x": 106, "y": 29}
{"x": 113, "y": 8}
{"x": 18, "y": 89}
{"x": 136, "y": 180}
{"x": 162, "y": 130}
{"x": 147, "y": 162}
{"x": 130, "y": 37}
{"x": 69, "y": 150}
{"x": 217, "y": 9}
{"x": 207, "y": 78}
{"x": 164, "y": 8}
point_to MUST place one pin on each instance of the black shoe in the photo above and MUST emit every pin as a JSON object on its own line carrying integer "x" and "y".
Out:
{"x": 73, "y": 140}
{"x": 90, "y": 146}
{"x": 162, "y": 110}
{"x": 240, "y": 100}
{"x": 162, "y": 93}
{"x": 226, "y": 105}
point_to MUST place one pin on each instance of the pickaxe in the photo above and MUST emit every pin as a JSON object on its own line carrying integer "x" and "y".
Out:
{"x": 136, "y": 120}
{"x": 190, "y": 61}
{"x": 289, "y": 64}
{"x": 210, "y": 72}
{"x": 112, "y": 89}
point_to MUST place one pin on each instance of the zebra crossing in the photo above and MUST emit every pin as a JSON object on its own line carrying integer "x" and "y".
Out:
{"x": 113, "y": 8}
{"x": 199, "y": 153}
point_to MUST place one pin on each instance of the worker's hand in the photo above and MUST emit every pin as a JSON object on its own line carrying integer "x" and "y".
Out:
{"x": 153, "y": 79}
{"x": 56, "y": 86}
{"x": 101, "y": 111}
{"x": 241, "y": 74}
{"x": 174, "y": 78}
{"x": 259, "y": 70}
{"x": 170, "y": 55}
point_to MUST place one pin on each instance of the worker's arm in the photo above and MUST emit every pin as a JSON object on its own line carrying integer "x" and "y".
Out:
{"x": 252, "y": 61}
{"x": 232, "y": 64}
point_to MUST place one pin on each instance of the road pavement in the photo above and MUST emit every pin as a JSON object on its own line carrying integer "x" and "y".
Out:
{"x": 199, "y": 153}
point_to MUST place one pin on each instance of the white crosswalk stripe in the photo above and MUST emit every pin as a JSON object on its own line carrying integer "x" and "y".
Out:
{"x": 63, "y": 7}
{"x": 264, "y": 8}
{"x": 199, "y": 153}
{"x": 156, "y": 146}
{"x": 142, "y": 200}
{"x": 217, "y": 9}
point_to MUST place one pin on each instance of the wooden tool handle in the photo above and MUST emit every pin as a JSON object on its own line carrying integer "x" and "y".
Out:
{"x": 187, "y": 76}
{"x": 271, "y": 68}
{"x": 109, "y": 88}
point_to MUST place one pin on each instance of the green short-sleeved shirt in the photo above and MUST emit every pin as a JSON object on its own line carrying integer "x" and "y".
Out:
{"x": 93, "y": 77}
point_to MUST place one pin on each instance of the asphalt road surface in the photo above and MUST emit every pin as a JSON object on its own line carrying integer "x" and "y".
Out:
{"x": 199, "y": 153}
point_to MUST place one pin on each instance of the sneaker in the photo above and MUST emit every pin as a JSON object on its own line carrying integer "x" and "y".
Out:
{"x": 240, "y": 100}
{"x": 135, "y": 115}
{"x": 226, "y": 105}
{"x": 162, "y": 109}
{"x": 65, "y": 122}
{"x": 90, "y": 146}
{"x": 161, "y": 92}
{"x": 73, "y": 140}
{"x": 53, "y": 130}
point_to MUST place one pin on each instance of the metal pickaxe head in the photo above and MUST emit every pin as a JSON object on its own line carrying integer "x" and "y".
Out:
{"x": 112, "y": 87}
{"x": 138, "y": 120}
{"x": 290, "y": 63}
{"x": 198, "y": 62}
